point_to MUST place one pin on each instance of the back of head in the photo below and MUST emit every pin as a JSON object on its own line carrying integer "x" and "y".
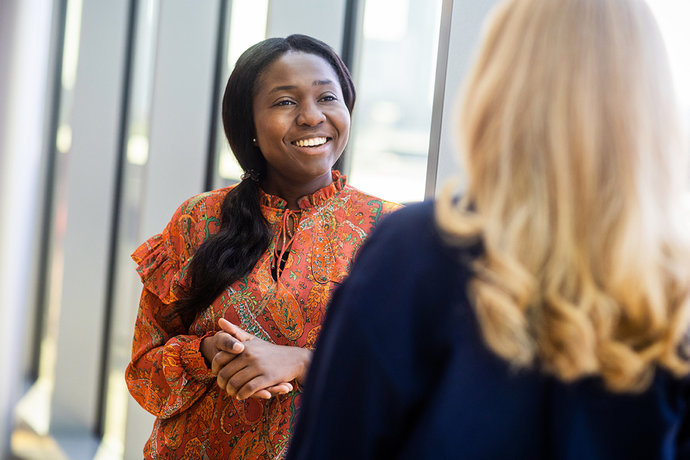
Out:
{"x": 576, "y": 180}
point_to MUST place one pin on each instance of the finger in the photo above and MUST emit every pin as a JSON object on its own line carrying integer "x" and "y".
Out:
{"x": 250, "y": 387}
{"x": 226, "y": 386}
{"x": 235, "y": 331}
{"x": 220, "y": 360}
{"x": 262, "y": 394}
{"x": 256, "y": 388}
{"x": 227, "y": 342}
{"x": 222, "y": 382}
{"x": 240, "y": 380}
{"x": 226, "y": 373}
{"x": 234, "y": 366}
{"x": 280, "y": 389}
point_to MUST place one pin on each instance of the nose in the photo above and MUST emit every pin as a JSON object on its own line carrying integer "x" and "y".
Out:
{"x": 310, "y": 114}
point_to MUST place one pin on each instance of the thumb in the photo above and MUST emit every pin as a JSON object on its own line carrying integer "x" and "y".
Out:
{"x": 235, "y": 331}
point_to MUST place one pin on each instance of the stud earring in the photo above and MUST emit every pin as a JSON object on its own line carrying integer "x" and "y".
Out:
{"x": 254, "y": 141}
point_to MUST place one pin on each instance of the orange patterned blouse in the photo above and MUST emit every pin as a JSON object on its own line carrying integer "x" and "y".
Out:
{"x": 168, "y": 375}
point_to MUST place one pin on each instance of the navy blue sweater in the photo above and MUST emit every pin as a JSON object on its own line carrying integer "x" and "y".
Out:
{"x": 401, "y": 371}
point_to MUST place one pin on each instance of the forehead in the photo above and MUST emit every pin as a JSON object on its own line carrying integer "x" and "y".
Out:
{"x": 297, "y": 69}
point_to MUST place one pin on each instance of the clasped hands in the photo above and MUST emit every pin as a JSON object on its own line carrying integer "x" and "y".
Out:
{"x": 247, "y": 366}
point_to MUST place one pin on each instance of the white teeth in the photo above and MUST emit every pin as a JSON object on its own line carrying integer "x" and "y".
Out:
{"x": 313, "y": 142}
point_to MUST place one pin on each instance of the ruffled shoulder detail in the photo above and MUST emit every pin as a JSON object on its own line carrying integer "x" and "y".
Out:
{"x": 163, "y": 259}
{"x": 161, "y": 272}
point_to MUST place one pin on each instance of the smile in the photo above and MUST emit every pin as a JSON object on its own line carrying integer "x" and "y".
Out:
{"x": 311, "y": 142}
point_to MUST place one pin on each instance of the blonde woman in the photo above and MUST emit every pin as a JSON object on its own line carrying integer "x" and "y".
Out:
{"x": 545, "y": 313}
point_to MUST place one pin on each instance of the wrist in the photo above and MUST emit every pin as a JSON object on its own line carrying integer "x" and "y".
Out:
{"x": 305, "y": 362}
{"x": 207, "y": 349}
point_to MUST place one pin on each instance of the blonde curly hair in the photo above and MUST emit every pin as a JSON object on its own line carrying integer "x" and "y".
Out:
{"x": 577, "y": 180}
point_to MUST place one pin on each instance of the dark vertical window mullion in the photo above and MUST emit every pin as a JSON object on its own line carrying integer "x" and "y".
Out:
{"x": 49, "y": 181}
{"x": 347, "y": 54}
{"x": 349, "y": 33}
{"x": 221, "y": 42}
{"x": 117, "y": 204}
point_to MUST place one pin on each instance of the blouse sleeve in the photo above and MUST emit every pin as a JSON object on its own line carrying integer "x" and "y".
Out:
{"x": 167, "y": 373}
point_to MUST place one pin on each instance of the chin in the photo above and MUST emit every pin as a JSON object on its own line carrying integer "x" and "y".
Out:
{"x": 317, "y": 171}
{"x": 316, "y": 175}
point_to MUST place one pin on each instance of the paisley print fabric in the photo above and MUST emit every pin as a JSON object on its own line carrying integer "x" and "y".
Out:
{"x": 168, "y": 375}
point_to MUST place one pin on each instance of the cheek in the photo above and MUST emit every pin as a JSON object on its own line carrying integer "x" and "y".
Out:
{"x": 269, "y": 130}
{"x": 344, "y": 126}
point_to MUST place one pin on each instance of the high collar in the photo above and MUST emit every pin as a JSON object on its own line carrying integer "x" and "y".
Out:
{"x": 313, "y": 200}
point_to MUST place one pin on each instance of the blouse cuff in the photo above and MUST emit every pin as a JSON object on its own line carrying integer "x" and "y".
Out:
{"x": 194, "y": 362}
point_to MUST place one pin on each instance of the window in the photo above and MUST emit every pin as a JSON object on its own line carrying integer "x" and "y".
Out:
{"x": 247, "y": 27}
{"x": 394, "y": 75}
{"x": 672, "y": 17}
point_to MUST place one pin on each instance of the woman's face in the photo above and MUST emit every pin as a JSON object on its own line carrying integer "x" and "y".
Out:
{"x": 302, "y": 122}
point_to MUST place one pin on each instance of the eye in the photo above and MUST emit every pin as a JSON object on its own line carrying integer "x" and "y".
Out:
{"x": 328, "y": 98}
{"x": 283, "y": 102}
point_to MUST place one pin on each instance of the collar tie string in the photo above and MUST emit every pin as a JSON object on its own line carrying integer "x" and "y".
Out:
{"x": 286, "y": 234}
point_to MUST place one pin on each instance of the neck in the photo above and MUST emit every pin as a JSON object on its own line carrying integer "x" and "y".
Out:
{"x": 291, "y": 191}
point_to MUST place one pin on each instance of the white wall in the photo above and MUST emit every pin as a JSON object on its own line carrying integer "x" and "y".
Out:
{"x": 317, "y": 18}
{"x": 25, "y": 27}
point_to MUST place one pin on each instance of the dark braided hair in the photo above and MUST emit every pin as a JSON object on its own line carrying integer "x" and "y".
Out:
{"x": 244, "y": 235}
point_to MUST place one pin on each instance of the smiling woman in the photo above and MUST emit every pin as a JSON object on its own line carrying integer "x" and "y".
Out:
{"x": 302, "y": 124}
{"x": 236, "y": 285}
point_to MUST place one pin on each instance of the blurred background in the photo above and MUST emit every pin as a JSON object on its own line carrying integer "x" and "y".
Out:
{"x": 109, "y": 118}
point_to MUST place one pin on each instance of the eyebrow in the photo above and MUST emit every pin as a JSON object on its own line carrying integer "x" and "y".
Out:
{"x": 321, "y": 82}
{"x": 282, "y": 88}
{"x": 291, "y": 87}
